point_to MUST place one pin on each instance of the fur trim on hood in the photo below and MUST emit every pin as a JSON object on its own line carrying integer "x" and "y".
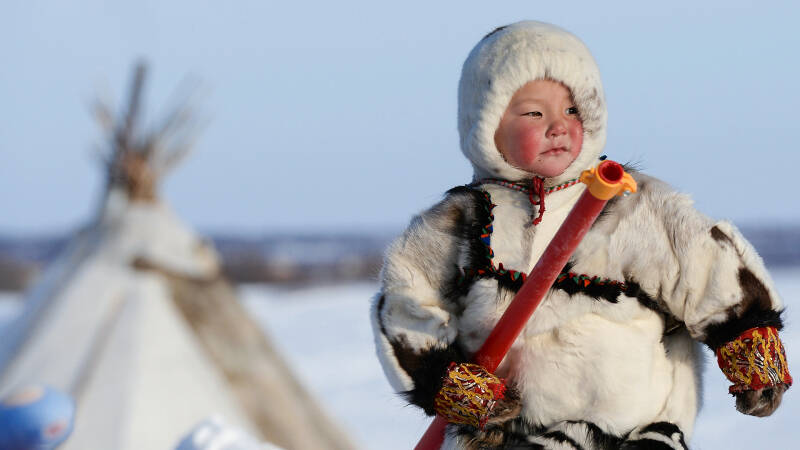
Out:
{"x": 503, "y": 62}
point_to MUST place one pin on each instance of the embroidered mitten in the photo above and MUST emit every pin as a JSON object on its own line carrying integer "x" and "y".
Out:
{"x": 469, "y": 394}
{"x": 755, "y": 362}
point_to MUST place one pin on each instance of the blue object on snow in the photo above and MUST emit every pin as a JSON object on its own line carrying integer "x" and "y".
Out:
{"x": 35, "y": 418}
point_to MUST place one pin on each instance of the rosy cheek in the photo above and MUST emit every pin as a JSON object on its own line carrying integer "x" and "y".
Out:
{"x": 576, "y": 136}
{"x": 527, "y": 140}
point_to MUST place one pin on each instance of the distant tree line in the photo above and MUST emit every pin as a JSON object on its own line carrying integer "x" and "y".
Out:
{"x": 306, "y": 259}
{"x": 286, "y": 259}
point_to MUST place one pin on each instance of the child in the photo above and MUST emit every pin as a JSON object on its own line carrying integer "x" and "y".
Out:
{"x": 611, "y": 357}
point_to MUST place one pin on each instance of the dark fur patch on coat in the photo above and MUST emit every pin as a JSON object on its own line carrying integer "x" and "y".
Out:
{"x": 754, "y": 311}
{"x": 509, "y": 284}
{"x": 561, "y": 438}
{"x": 517, "y": 434}
{"x": 719, "y": 236}
{"x": 666, "y": 429}
{"x": 477, "y": 216}
{"x": 633, "y": 289}
{"x": 509, "y": 435}
{"x": 647, "y": 444}
{"x": 719, "y": 334}
{"x": 755, "y": 294}
{"x": 598, "y": 436}
{"x": 474, "y": 216}
{"x": 426, "y": 368}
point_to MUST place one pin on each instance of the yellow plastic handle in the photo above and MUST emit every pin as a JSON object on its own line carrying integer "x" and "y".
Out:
{"x": 607, "y": 180}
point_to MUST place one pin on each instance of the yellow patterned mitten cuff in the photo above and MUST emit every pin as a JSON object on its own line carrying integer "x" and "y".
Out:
{"x": 754, "y": 360}
{"x": 468, "y": 394}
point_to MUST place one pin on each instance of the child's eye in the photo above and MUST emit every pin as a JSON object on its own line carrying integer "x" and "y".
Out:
{"x": 572, "y": 110}
{"x": 533, "y": 114}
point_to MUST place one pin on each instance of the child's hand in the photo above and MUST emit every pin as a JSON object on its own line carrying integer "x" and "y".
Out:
{"x": 761, "y": 402}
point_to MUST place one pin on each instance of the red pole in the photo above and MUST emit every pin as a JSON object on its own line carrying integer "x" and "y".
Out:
{"x": 607, "y": 180}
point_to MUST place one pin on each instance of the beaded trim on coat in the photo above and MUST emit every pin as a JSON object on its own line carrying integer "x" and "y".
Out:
{"x": 513, "y": 279}
{"x": 524, "y": 188}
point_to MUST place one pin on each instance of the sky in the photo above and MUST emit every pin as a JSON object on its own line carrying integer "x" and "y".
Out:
{"x": 341, "y": 115}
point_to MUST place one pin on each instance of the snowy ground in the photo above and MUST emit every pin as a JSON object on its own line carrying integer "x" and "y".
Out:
{"x": 326, "y": 336}
{"x": 9, "y": 307}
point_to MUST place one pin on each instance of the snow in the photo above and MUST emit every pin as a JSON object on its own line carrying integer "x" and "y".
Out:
{"x": 325, "y": 335}
{"x": 324, "y": 332}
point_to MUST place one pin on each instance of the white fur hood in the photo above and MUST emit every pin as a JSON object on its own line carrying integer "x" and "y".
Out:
{"x": 503, "y": 62}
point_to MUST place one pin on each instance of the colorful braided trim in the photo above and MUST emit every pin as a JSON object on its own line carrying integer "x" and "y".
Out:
{"x": 468, "y": 395}
{"x": 526, "y": 188}
{"x": 754, "y": 360}
{"x": 535, "y": 189}
{"x": 516, "y": 278}
{"x": 586, "y": 281}
{"x": 488, "y": 269}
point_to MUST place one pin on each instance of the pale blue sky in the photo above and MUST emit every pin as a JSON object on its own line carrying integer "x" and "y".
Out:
{"x": 335, "y": 115}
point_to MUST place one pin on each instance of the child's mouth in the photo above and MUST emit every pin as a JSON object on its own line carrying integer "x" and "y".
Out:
{"x": 555, "y": 151}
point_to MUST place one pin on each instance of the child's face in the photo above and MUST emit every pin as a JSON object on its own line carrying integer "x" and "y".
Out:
{"x": 540, "y": 132}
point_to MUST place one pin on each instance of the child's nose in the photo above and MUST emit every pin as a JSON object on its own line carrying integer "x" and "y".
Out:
{"x": 557, "y": 128}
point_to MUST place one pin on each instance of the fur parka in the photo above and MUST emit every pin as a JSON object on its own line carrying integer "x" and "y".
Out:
{"x": 611, "y": 358}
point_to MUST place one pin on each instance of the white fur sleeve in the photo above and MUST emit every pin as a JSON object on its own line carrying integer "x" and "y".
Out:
{"x": 705, "y": 273}
{"x": 412, "y": 318}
